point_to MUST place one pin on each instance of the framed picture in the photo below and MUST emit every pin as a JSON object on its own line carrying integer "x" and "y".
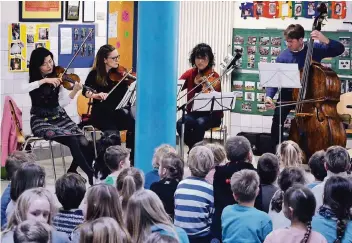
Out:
{"x": 41, "y": 11}
{"x": 88, "y": 11}
{"x": 72, "y": 10}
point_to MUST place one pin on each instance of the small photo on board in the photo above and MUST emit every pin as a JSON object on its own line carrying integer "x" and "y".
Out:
{"x": 251, "y": 50}
{"x": 252, "y": 40}
{"x": 260, "y": 97}
{"x": 251, "y": 59}
{"x": 264, "y": 41}
{"x": 90, "y": 37}
{"x": 239, "y": 95}
{"x": 259, "y": 9}
{"x": 239, "y": 40}
{"x": 16, "y": 31}
{"x": 298, "y": 10}
{"x": 248, "y": 85}
{"x": 275, "y": 51}
{"x": 16, "y": 48}
{"x": 264, "y": 50}
{"x": 250, "y": 64}
{"x": 83, "y": 33}
{"x": 259, "y": 87}
{"x": 272, "y": 8}
{"x": 261, "y": 107}
{"x": 29, "y": 50}
{"x": 346, "y": 53}
{"x": 238, "y": 85}
{"x": 75, "y": 34}
{"x": 276, "y": 41}
{"x": 263, "y": 59}
{"x": 311, "y": 9}
{"x": 83, "y": 50}
{"x": 237, "y": 49}
{"x": 338, "y": 9}
{"x": 75, "y": 48}
{"x": 246, "y": 12}
{"x": 273, "y": 59}
{"x": 30, "y": 38}
{"x": 90, "y": 50}
{"x": 39, "y": 44}
{"x": 246, "y": 106}
{"x": 249, "y": 96}
{"x": 43, "y": 34}
{"x": 15, "y": 64}
{"x": 346, "y": 41}
{"x": 344, "y": 64}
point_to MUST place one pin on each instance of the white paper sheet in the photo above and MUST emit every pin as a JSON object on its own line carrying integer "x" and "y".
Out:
{"x": 112, "y": 25}
{"x": 66, "y": 41}
{"x": 89, "y": 11}
{"x": 284, "y": 9}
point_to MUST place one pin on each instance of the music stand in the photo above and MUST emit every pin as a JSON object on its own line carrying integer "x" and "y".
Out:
{"x": 126, "y": 100}
{"x": 279, "y": 75}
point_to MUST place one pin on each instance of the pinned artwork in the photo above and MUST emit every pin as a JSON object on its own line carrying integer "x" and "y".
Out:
{"x": 266, "y": 9}
{"x": 125, "y": 16}
{"x": 246, "y": 10}
{"x": 338, "y": 10}
{"x": 285, "y": 9}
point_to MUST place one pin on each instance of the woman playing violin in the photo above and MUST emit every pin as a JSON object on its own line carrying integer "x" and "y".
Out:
{"x": 104, "y": 115}
{"x": 48, "y": 118}
{"x": 197, "y": 122}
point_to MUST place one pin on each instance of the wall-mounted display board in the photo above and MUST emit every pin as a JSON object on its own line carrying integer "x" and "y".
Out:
{"x": 264, "y": 45}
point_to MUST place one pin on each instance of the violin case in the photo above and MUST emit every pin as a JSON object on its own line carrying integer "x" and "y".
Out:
{"x": 260, "y": 142}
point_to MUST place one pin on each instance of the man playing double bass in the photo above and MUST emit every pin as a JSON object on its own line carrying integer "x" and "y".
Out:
{"x": 296, "y": 53}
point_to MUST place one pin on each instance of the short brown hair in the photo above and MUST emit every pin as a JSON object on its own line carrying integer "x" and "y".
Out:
{"x": 245, "y": 184}
{"x": 294, "y": 31}
{"x": 14, "y": 161}
{"x": 200, "y": 161}
{"x": 70, "y": 190}
{"x": 114, "y": 155}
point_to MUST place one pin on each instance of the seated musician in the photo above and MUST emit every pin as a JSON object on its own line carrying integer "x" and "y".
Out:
{"x": 296, "y": 53}
{"x": 197, "y": 122}
{"x": 104, "y": 115}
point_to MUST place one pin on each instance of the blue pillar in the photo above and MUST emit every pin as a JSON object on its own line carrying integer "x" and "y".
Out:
{"x": 157, "y": 51}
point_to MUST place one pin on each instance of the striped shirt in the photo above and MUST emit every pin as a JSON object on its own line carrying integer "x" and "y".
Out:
{"x": 194, "y": 206}
{"x": 67, "y": 220}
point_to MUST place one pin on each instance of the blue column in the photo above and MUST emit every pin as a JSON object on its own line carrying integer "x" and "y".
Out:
{"x": 157, "y": 51}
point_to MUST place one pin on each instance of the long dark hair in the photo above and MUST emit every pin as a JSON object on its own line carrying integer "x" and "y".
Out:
{"x": 174, "y": 166}
{"x": 37, "y": 59}
{"x": 202, "y": 50}
{"x": 336, "y": 197}
{"x": 99, "y": 64}
{"x": 302, "y": 201}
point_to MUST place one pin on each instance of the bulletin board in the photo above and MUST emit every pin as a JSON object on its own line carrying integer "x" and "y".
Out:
{"x": 264, "y": 45}
{"x": 22, "y": 40}
{"x": 121, "y": 30}
{"x": 70, "y": 39}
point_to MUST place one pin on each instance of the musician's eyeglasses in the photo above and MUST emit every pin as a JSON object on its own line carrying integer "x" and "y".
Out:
{"x": 48, "y": 64}
{"x": 115, "y": 58}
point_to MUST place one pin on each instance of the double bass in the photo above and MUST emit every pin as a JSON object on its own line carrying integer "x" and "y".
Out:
{"x": 317, "y": 124}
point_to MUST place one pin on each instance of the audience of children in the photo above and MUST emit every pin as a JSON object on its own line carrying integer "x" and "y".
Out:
{"x": 287, "y": 178}
{"x": 194, "y": 200}
{"x": 171, "y": 173}
{"x": 153, "y": 176}
{"x": 116, "y": 158}
{"x": 237, "y": 220}
{"x": 12, "y": 163}
{"x": 70, "y": 190}
{"x": 180, "y": 208}
{"x": 268, "y": 169}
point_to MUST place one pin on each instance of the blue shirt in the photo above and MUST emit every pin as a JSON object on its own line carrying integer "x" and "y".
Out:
{"x": 313, "y": 184}
{"x": 243, "y": 224}
{"x": 327, "y": 227}
{"x": 321, "y": 51}
{"x": 181, "y": 234}
{"x": 150, "y": 178}
{"x": 5, "y": 200}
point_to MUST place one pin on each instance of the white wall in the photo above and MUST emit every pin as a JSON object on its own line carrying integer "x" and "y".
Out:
{"x": 11, "y": 82}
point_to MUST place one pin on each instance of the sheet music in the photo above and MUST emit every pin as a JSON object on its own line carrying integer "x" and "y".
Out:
{"x": 284, "y": 75}
{"x": 129, "y": 96}
{"x": 223, "y": 101}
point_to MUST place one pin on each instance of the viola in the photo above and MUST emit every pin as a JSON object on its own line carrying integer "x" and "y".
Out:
{"x": 208, "y": 82}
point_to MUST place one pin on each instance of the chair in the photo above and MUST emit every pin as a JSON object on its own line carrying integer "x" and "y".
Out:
{"x": 219, "y": 132}
{"x": 31, "y": 138}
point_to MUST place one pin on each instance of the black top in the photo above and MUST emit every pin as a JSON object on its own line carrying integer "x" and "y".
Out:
{"x": 266, "y": 193}
{"x": 165, "y": 189}
{"x": 46, "y": 96}
{"x": 223, "y": 195}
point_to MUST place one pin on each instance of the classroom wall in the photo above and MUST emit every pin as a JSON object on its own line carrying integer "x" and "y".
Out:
{"x": 11, "y": 82}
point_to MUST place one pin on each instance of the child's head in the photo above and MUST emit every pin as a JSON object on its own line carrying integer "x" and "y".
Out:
{"x": 117, "y": 157}
{"x": 316, "y": 165}
{"x": 299, "y": 205}
{"x": 268, "y": 168}
{"x": 290, "y": 154}
{"x": 238, "y": 149}
{"x": 29, "y": 175}
{"x": 160, "y": 238}
{"x": 160, "y": 152}
{"x": 32, "y": 231}
{"x": 15, "y": 160}
{"x": 128, "y": 182}
{"x": 337, "y": 159}
{"x": 104, "y": 229}
{"x": 337, "y": 196}
{"x": 70, "y": 190}
{"x": 245, "y": 186}
{"x": 34, "y": 204}
{"x": 287, "y": 178}
{"x": 171, "y": 167}
{"x": 144, "y": 210}
{"x": 200, "y": 161}
{"x": 218, "y": 151}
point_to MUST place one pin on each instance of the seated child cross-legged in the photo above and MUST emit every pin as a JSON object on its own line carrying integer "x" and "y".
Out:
{"x": 116, "y": 158}
{"x": 242, "y": 222}
{"x": 70, "y": 190}
{"x": 299, "y": 207}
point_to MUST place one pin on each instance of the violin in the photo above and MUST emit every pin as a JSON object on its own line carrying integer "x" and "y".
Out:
{"x": 117, "y": 75}
{"x": 208, "y": 82}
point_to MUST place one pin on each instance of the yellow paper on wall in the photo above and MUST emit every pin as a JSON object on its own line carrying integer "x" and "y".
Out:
{"x": 285, "y": 9}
